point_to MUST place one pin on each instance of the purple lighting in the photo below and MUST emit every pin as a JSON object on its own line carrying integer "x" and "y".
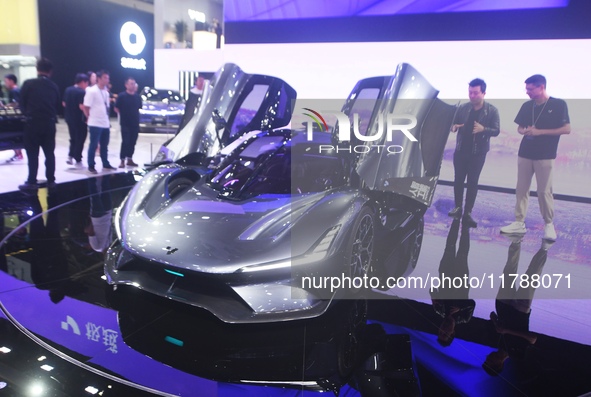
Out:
{"x": 256, "y": 10}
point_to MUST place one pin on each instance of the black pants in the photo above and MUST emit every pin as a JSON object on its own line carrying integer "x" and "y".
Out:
{"x": 467, "y": 166}
{"x": 128, "y": 140}
{"x": 40, "y": 134}
{"x": 78, "y": 132}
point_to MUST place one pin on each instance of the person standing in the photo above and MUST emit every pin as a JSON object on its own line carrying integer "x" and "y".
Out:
{"x": 14, "y": 97}
{"x": 74, "y": 115}
{"x": 541, "y": 121}
{"x": 475, "y": 122}
{"x": 96, "y": 110}
{"x": 40, "y": 100}
{"x": 128, "y": 107}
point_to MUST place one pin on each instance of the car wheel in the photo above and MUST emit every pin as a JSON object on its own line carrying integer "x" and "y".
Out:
{"x": 361, "y": 244}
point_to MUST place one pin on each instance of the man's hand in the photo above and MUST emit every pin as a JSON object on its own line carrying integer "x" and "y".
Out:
{"x": 478, "y": 128}
{"x": 524, "y": 130}
{"x": 533, "y": 131}
{"x": 456, "y": 127}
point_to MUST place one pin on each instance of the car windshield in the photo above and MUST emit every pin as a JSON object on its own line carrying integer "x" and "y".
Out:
{"x": 166, "y": 96}
{"x": 270, "y": 165}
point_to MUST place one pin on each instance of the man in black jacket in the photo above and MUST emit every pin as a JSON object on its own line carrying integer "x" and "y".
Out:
{"x": 475, "y": 123}
{"x": 40, "y": 100}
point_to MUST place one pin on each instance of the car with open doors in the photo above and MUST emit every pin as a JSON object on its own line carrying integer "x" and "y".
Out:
{"x": 284, "y": 215}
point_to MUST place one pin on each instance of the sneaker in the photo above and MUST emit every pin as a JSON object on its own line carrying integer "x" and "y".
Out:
{"x": 467, "y": 220}
{"x": 131, "y": 163}
{"x": 122, "y": 165}
{"x": 455, "y": 213}
{"x": 28, "y": 186}
{"x": 92, "y": 170}
{"x": 549, "y": 232}
{"x": 514, "y": 228}
{"x": 108, "y": 167}
{"x": 79, "y": 164}
{"x": 70, "y": 161}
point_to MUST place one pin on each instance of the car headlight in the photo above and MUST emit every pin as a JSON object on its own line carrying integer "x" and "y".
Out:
{"x": 321, "y": 248}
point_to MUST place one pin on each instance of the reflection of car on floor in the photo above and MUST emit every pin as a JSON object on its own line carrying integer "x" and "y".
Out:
{"x": 12, "y": 125}
{"x": 162, "y": 110}
{"x": 253, "y": 240}
{"x": 322, "y": 354}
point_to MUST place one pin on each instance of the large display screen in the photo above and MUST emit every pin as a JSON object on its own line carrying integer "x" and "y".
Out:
{"x": 300, "y": 21}
{"x": 241, "y": 10}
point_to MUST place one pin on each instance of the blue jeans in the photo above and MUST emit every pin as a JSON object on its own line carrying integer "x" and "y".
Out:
{"x": 98, "y": 136}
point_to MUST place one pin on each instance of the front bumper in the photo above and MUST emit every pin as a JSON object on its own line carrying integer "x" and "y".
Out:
{"x": 233, "y": 298}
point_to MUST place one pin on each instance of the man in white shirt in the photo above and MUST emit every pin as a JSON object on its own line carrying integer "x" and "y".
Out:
{"x": 96, "y": 109}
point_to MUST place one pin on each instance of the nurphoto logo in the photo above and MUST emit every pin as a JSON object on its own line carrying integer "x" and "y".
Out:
{"x": 392, "y": 123}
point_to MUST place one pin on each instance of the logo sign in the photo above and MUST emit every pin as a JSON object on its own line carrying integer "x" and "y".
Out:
{"x": 403, "y": 123}
{"x": 133, "y": 41}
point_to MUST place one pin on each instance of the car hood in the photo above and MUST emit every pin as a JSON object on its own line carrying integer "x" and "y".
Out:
{"x": 226, "y": 93}
{"x": 199, "y": 231}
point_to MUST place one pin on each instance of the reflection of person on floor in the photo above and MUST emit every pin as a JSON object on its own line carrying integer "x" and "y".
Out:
{"x": 475, "y": 122}
{"x": 453, "y": 304}
{"x": 49, "y": 265}
{"x": 513, "y": 309}
{"x": 101, "y": 208}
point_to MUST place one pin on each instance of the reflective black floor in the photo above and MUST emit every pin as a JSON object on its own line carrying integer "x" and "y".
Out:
{"x": 64, "y": 332}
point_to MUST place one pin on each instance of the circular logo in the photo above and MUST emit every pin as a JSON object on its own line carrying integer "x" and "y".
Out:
{"x": 132, "y": 38}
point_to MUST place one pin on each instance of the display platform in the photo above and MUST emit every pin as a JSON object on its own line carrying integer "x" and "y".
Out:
{"x": 65, "y": 332}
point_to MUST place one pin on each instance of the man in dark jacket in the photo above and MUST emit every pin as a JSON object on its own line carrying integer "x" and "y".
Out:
{"x": 40, "y": 99}
{"x": 475, "y": 123}
{"x": 73, "y": 99}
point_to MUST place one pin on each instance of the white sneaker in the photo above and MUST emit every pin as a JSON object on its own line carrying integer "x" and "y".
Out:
{"x": 514, "y": 228}
{"x": 70, "y": 161}
{"x": 549, "y": 232}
